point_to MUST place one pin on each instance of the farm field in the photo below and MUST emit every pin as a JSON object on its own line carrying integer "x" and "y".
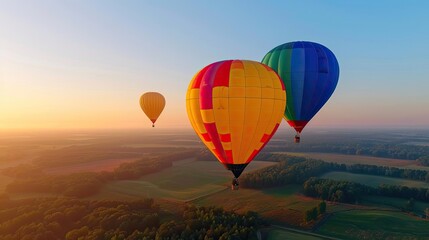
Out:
{"x": 356, "y": 159}
{"x": 365, "y": 224}
{"x": 276, "y": 234}
{"x": 92, "y": 166}
{"x": 282, "y": 205}
{"x": 184, "y": 181}
{"x": 373, "y": 181}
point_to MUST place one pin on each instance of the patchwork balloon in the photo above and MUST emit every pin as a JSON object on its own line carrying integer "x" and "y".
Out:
{"x": 235, "y": 107}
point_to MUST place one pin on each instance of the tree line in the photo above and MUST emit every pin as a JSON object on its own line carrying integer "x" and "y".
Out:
{"x": 72, "y": 219}
{"x": 388, "y": 150}
{"x": 350, "y": 192}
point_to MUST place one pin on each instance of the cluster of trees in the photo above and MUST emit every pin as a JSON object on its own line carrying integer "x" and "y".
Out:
{"x": 413, "y": 174}
{"x": 350, "y": 192}
{"x": 71, "y": 219}
{"x": 289, "y": 170}
{"x": 87, "y": 184}
{"x": 71, "y": 185}
{"x": 315, "y": 212}
{"x": 335, "y": 191}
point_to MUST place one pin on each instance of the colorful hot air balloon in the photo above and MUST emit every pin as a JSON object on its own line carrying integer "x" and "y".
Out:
{"x": 152, "y": 104}
{"x": 235, "y": 107}
{"x": 310, "y": 74}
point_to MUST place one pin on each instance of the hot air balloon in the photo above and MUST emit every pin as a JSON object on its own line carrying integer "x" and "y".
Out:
{"x": 235, "y": 107}
{"x": 310, "y": 74}
{"x": 152, "y": 104}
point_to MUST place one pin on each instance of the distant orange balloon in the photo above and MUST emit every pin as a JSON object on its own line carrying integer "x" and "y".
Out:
{"x": 235, "y": 107}
{"x": 152, "y": 104}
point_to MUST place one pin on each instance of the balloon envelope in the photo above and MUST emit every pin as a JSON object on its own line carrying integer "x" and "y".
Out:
{"x": 310, "y": 74}
{"x": 152, "y": 104}
{"x": 235, "y": 107}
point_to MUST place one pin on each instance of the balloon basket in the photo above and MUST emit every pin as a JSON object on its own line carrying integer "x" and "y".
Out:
{"x": 234, "y": 184}
{"x": 297, "y": 138}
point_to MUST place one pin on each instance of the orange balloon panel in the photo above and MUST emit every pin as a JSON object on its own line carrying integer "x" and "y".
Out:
{"x": 235, "y": 107}
{"x": 152, "y": 104}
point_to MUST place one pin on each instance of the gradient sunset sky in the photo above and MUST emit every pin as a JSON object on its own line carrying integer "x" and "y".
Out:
{"x": 84, "y": 64}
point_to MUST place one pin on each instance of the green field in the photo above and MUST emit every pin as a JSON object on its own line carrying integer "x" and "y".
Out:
{"x": 357, "y": 159}
{"x": 367, "y": 224}
{"x": 184, "y": 181}
{"x": 373, "y": 181}
{"x": 395, "y": 203}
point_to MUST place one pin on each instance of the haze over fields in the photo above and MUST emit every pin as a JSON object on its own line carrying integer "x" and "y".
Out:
{"x": 173, "y": 168}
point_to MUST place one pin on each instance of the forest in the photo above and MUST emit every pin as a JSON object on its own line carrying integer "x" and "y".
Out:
{"x": 71, "y": 219}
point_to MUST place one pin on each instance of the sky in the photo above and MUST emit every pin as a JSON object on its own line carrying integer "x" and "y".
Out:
{"x": 84, "y": 64}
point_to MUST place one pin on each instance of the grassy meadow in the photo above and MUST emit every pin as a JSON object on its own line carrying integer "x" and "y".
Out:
{"x": 373, "y": 181}
{"x": 374, "y": 224}
{"x": 184, "y": 181}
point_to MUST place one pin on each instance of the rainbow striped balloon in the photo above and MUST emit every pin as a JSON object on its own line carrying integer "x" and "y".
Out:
{"x": 310, "y": 74}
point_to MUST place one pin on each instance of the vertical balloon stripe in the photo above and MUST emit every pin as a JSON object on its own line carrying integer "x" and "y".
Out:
{"x": 206, "y": 87}
{"x": 206, "y": 100}
{"x": 325, "y": 84}
{"x": 284, "y": 60}
{"x": 297, "y": 78}
{"x": 237, "y": 105}
{"x": 251, "y": 108}
{"x": 221, "y": 108}
{"x": 310, "y": 79}
{"x": 193, "y": 109}
{"x": 222, "y": 74}
{"x": 263, "y": 74}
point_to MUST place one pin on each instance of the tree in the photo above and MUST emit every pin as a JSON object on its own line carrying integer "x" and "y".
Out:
{"x": 308, "y": 216}
{"x": 321, "y": 208}
{"x": 314, "y": 213}
{"x": 410, "y": 204}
